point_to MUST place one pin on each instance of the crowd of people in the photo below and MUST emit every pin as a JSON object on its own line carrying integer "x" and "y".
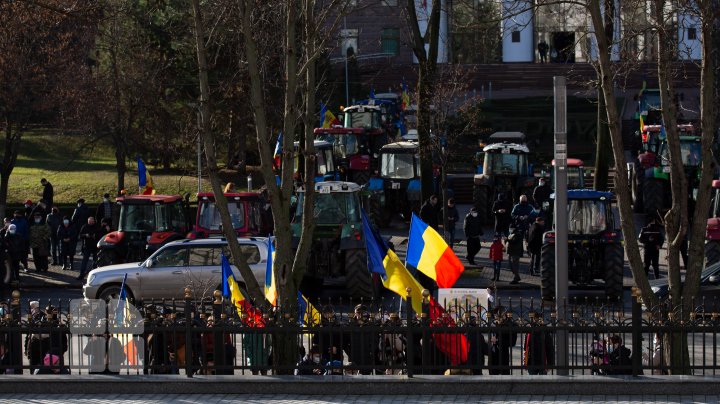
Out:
{"x": 52, "y": 238}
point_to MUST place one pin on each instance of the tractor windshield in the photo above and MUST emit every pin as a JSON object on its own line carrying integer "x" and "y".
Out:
{"x": 209, "y": 216}
{"x": 397, "y": 165}
{"x": 344, "y": 145}
{"x": 325, "y": 163}
{"x": 690, "y": 151}
{"x": 367, "y": 119}
{"x": 586, "y": 216}
{"x": 574, "y": 178}
{"x": 137, "y": 218}
{"x": 332, "y": 208}
{"x": 505, "y": 164}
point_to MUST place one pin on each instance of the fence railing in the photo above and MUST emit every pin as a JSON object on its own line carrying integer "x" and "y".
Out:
{"x": 209, "y": 337}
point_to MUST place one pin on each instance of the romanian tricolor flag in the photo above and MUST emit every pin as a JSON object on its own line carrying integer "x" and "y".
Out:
{"x": 397, "y": 278}
{"x": 430, "y": 254}
{"x": 253, "y": 316}
{"x": 270, "y": 289}
{"x": 405, "y": 96}
{"x": 145, "y": 183}
{"x": 327, "y": 118}
{"x": 642, "y": 124}
{"x": 278, "y": 152}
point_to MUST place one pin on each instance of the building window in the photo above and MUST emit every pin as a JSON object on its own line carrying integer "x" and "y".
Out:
{"x": 390, "y": 3}
{"x": 390, "y": 40}
{"x": 692, "y": 34}
{"x": 516, "y": 36}
{"x": 349, "y": 42}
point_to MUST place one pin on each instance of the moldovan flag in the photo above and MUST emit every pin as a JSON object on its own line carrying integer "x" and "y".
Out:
{"x": 642, "y": 124}
{"x": 123, "y": 320}
{"x": 405, "y": 96}
{"x": 430, "y": 254}
{"x": 327, "y": 118}
{"x": 397, "y": 278}
{"x": 308, "y": 315}
{"x": 232, "y": 290}
{"x": 270, "y": 289}
{"x": 145, "y": 182}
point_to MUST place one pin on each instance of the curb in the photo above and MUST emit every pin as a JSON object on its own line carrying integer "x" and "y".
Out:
{"x": 362, "y": 385}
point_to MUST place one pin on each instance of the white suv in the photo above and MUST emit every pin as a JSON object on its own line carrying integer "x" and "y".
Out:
{"x": 193, "y": 264}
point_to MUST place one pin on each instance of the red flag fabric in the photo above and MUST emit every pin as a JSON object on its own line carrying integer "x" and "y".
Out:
{"x": 453, "y": 345}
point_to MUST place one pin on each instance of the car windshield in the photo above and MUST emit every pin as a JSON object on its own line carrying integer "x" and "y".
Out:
{"x": 690, "y": 151}
{"x": 367, "y": 119}
{"x": 586, "y": 216}
{"x": 505, "y": 164}
{"x": 336, "y": 207}
{"x": 209, "y": 216}
{"x": 397, "y": 165}
{"x": 137, "y": 218}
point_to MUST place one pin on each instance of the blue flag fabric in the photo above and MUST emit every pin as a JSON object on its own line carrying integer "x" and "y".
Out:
{"x": 226, "y": 273}
{"x": 122, "y": 304}
{"x": 323, "y": 110}
{"x": 376, "y": 250}
{"x": 142, "y": 173}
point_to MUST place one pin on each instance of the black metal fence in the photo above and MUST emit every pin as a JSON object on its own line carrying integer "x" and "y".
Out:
{"x": 210, "y": 337}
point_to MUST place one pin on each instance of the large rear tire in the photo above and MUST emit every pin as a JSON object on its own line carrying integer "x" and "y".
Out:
{"x": 712, "y": 252}
{"x": 377, "y": 213}
{"x": 547, "y": 272}
{"x": 480, "y": 200}
{"x": 653, "y": 196}
{"x": 614, "y": 265}
{"x": 357, "y": 276}
{"x": 636, "y": 192}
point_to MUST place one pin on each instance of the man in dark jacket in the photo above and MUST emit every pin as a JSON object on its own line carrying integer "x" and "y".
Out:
{"x": 515, "y": 251}
{"x": 501, "y": 342}
{"x": 22, "y": 228}
{"x": 501, "y": 209}
{"x": 80, "y": 215}
{"x": 104, "y": 210}
{"x": 54, "y": 220}
{"x": 67, "y": 234}
{"x": 619, "y": 357}
{"x": 14, "y": 246}
{"x": 535, "y": 239}
{"x": 521, "y": 214}
{"x": 541, "y": 193}
{"x": 539, "y": 350}
{"x": 90, "y": 235}
{"x": 652, "y": 239}
{"x": 473, "y": 230}
{"x": 430, "y": 211}
{"x": 452, "y": 215}
{"x": 48, "y": 194}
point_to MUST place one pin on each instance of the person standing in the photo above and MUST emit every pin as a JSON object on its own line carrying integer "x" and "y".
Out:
{"x": 48, "y": 193}
{"x": 28, "y": 206}
{"x": 652, "y": 239}
{"x": 429, "y": 212}
{"x": 541, "y": 193}
{"x": 501, "y": 209}
{"x": 496, "y": 256}
{"x": 521, "y": 214}
{"x": 90, "y": 235}
{"x": 543, "y": 50}
{"x": 80, "y": 214}
{"x": 104, "y": 210}
{"x": 40, "y": 242}
{"x": 539, "y": 353}
{"x": 473, "y": 231}
{"x": 68, "y": 238}
{"x": 501, "y": 342}
{"x": 14, "y": 246}
{"x": 451, "y": 213}
{"x": 23, "y": 230}
{"x": 54, "y": 220}
{"x": 535, "y": 240}
{"x": 515, "y": 250}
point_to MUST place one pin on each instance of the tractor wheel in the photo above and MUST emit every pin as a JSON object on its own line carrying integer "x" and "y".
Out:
{"x": 357, "y": 276}
{"x": 547, "y": 272}
{"x": 377, "y": 213}
{"x": 653, "y": 196}
{"x": 636, "y": 192}
{"x": 107, "y": 257}
{"x": 712, "y": 252}
{"x": 361, "y": 177}
{"x": 480, "y": 200}
{"x": 614, "y": 264}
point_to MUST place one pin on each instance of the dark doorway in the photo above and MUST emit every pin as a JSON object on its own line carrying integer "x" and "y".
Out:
{"x": 562, "y": 48}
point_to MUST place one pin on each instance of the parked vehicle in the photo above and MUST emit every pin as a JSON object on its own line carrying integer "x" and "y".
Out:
{"x": 595, "y": 249}
{"x": 244, "y": 208}
{"x": 177, "y": 265}
{"x": 709, "y": 292}
{"x": 575, "y": 174}
{"x": 338, "y": 251}
{"x": 712, "y": 232}
{"x": 505, "y": 169}
{"x": 145, "y": 223}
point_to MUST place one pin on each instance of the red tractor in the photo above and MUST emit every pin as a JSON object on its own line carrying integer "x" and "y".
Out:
{"x": 145, "y": 223}
{"x": 245, "y": 213}
{"x": 357, "y": 143}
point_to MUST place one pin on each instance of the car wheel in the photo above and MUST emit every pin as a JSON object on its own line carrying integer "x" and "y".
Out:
{"x": 110, "y": 292}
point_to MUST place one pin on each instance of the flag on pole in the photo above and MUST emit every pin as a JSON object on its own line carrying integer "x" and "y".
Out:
{"x": 327, "y": 118}
{"x": 270, "y": 289}
{"x": 145, "y": 183}
{"x": 405, "y": 96}
{"x": 642, "y": 124}
{"x": 430, "y": 254}
{"x": 123, "y": 321}
{"x": 278, "y": 152}
{"x": 231, "y": 289}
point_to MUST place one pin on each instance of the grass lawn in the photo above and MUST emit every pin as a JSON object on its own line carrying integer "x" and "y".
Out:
{"x": 78, "y": 170}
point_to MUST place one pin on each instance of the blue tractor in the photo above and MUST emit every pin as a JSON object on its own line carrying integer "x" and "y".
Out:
{"x": 595, "y": 246}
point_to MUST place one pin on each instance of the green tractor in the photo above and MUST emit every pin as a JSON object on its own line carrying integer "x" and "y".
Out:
{"x": 338, "y": 250}
{"x": 595, "y": 248}
{"x": 505, "y": 169}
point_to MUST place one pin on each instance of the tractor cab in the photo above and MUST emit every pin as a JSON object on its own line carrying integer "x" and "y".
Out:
{"x": 575, "y": 174}
{"x": 244, "y": 208}
{"x": 324, "y": 163}
{"x": 145, "y": 223}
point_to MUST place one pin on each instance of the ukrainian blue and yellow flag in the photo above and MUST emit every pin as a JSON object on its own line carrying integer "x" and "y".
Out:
{"x": 429, "y": 253}
{"x": 270, "y": 287}
{"x": 231, "y": 289}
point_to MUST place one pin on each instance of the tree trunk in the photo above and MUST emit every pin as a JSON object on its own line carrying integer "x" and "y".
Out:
{"x": 253, "y": 288}
{"x": 9, "y": 158}
{"x": 602, "y": 151}
{"x": 120, "y": 162}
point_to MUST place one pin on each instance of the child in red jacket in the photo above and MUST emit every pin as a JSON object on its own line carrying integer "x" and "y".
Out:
{"x": 496, "y": 255}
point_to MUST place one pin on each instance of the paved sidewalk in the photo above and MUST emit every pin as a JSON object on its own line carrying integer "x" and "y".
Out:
{"x": 279, "y": 398}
